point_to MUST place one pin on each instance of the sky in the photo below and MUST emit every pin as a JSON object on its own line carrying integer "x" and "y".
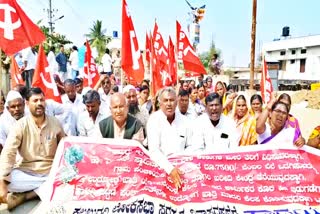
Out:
{"x": 226, "y": 22}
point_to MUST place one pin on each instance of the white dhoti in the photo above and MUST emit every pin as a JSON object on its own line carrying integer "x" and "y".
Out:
{"x": 24, "y": 182}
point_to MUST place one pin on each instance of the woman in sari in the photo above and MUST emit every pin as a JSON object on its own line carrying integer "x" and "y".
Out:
{"x": 246, "y": 124}
{"x": 195, "y": 106}
{"x": 227, "y": 100}
{"x": 292, "y": 121}
{"x": 144, "y": 101}
{"x": 256, "y": 105}
{"x": 201, "y": 93}
{"x": 271, "y": 125}
{"x": 314, "y": 138}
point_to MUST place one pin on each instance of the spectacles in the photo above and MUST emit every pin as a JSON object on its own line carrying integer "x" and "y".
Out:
{"x": 278, "y": 111}
{"x": 105, "y": 83}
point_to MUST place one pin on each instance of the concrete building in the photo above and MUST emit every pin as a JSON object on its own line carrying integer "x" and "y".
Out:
{"x": 298, "y": 58}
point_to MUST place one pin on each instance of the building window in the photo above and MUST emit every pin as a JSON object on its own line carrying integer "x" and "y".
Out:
{"x": 302, "y": 65}
{"x": 282, "y": 65}
{"x": 282, "y": 53}
{"x": 303, "y": 51}
{"x": 292, "y": 61}
{"x": 293, "y": 52}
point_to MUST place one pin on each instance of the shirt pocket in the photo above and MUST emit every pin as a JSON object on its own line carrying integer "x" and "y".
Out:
{"x": 51, "y": 144}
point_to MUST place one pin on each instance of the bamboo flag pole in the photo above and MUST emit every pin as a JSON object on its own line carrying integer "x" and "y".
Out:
{"x": 253, "y": 42}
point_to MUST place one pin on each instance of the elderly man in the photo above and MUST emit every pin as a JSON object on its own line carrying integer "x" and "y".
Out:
{"x": 73, "y": 107}
{"x": 168, "y": 133}
{"x": 36, "y": 138}
{"x": 133, "y": 104}
{"x": 15, "y": 110}
{"x": 89, "y": 120}
{"x": 212, "y": 130}
{"x": 121, "y": 125}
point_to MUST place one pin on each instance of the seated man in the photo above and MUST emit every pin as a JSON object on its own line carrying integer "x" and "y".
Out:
{"x": 15, "y": 110}
{"x": 121, "y": 125}
{"x": 36, "y": 138}
{"x": 214, "y": 131}
{"x": 89, "y": 120}
{"x": 168, "y": 133}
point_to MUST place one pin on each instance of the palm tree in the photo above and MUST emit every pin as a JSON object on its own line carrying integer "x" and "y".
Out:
{"x": 97, "y": 38}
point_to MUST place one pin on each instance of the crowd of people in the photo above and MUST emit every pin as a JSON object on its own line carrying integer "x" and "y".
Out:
{"x": 195, "y": 116}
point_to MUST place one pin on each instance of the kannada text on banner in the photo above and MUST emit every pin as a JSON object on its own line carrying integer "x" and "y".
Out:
{"x": 121, "y": 178}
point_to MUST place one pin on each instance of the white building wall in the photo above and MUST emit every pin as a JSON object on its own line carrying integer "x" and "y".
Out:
{"x": 292, "y": 71}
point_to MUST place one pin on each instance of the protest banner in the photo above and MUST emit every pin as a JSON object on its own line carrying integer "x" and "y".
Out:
{"x": 117, "y": 176}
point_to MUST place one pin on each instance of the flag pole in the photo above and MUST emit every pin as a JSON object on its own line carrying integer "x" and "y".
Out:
{"x": 253, "y": 42}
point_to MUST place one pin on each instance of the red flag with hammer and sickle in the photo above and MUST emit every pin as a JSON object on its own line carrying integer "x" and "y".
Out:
{"x": 17, "y": 31}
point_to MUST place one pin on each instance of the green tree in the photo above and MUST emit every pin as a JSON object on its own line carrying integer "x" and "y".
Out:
{"x": 205, "y": 57}
{"x": 97, "y": 38}
{"x": 54, "y": 39}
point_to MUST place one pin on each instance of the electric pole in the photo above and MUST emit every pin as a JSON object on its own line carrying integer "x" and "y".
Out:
{"x": 253, "y": 42}
{"x": 51, "y": 15}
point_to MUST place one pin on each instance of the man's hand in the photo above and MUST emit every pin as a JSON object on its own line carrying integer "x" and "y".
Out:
{"x": 3, "y": 191}
{"x": 175, "y": 176}
{"x": 300, "y": 142}
{"x": 103, "y": 77}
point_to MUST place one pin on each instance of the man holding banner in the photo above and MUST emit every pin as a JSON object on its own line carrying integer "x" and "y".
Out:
{"x": 168, "y": 133}
{"x": 36, "y": 138}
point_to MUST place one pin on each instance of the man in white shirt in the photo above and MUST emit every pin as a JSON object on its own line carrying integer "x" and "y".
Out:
{"x": 73, "y": 107}
{"x": 213, "y": 131}
{"x": 29, "y": 57}
{"x": 88, "y": 123}
{"x": 168, "y": 133}
{"x": 15, "y": 110}
{"x": 74, "y": 61}
{"x": 183, "y": 102}
{"x": 107, "y": 62}
{"x": 104, "y": 92}
{"x": 53, "y": 65}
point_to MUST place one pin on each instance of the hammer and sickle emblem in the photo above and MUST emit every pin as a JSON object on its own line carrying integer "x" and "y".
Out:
{"x": 7, "y": 25}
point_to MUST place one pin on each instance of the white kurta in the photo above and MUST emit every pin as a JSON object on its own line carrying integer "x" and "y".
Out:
{"x": 209, "y": 138}
{"x": 165, "y": 139}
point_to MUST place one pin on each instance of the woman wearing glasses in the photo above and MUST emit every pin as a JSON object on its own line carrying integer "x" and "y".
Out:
{"x": 275, "y": 129}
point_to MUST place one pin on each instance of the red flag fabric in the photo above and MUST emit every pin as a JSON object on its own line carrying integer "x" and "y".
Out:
{"x": 17, "y": 31}
{"x": 15, "y": 73}
{"x": 173, "y": 69}
{"x": 131, "y": 62}
{"x": 43, "y": 78}
{"x": 186, "y": 53}
{"x": 265, "y": 83}
{"x": 91, "y": 74}
{"x": 161, "y": 53}
{"x": 148, "y": 51}
{"x": 156, "y": 80}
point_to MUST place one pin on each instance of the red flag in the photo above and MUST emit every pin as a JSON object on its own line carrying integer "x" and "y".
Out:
{"x": 173, "y": 69}
{"x": 43, "y": 78}
{"x": 15, "y": 73}
{"x": 91, "y": 75}
{"x": 17, "y": 31}
{"x": 161, "y": 53}
{"x": 131, "y": 62}
{"x": 265, "y": 83}
{"x": 148, "y": 51}
{"x": 186, "y": 53}
{"x": 155, "y": 71}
